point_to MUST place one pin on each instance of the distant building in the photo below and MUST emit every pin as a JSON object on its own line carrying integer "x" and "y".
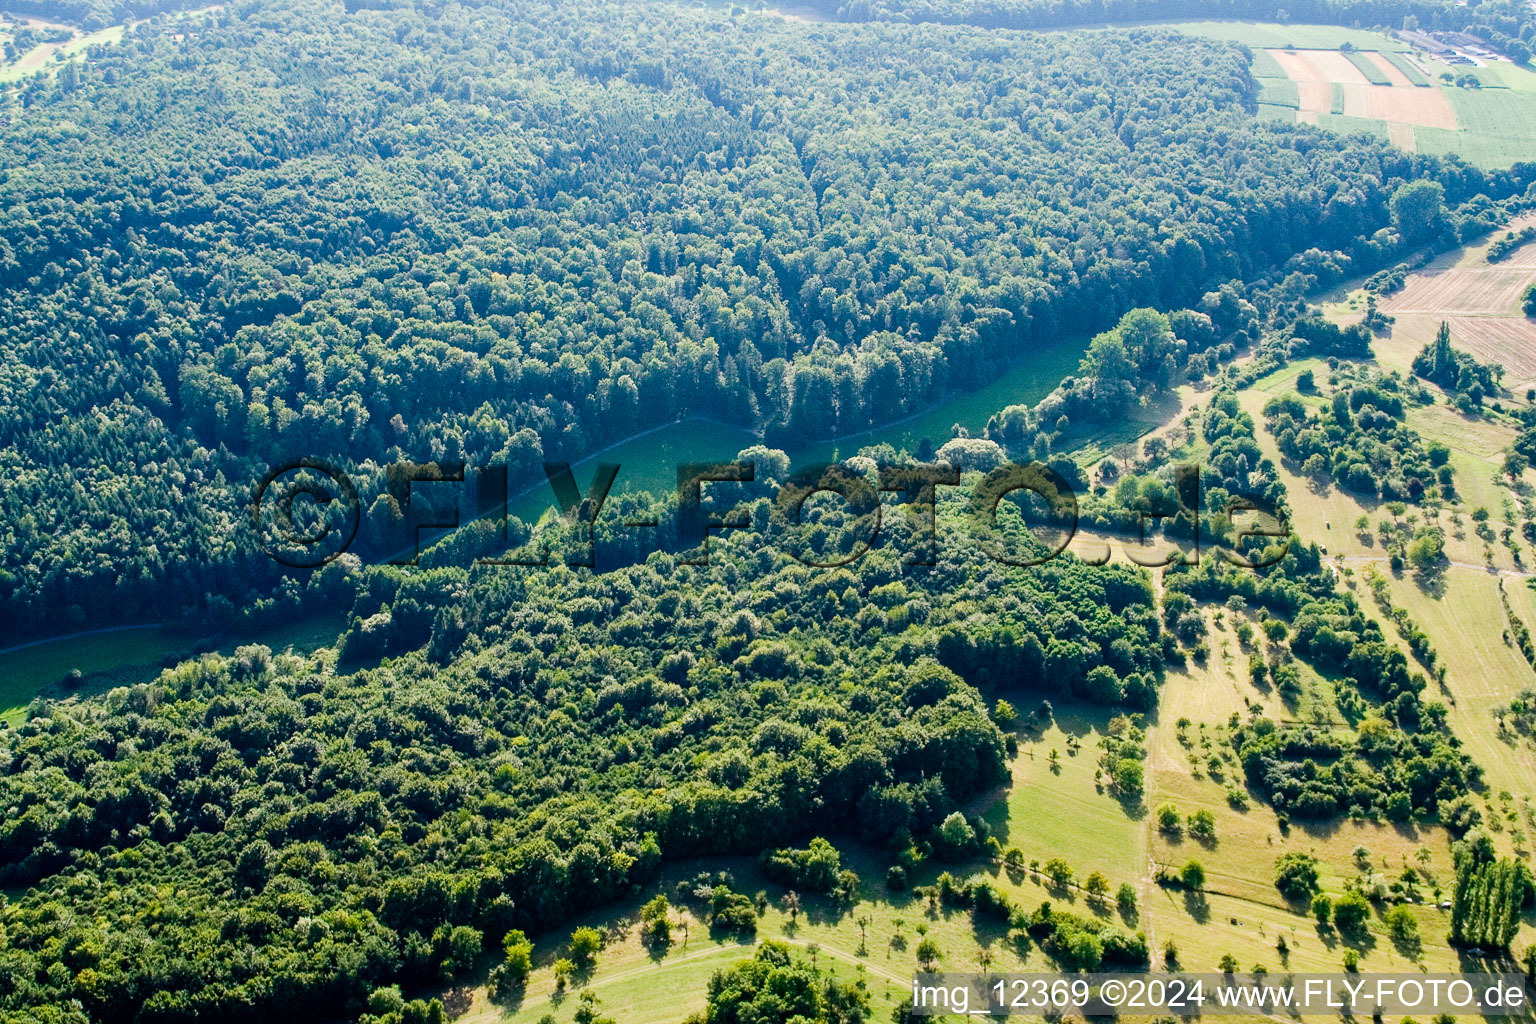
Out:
{"x": 1426, "y": 42}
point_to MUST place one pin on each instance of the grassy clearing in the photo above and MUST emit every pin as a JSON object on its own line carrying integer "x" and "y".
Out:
{"x": 1281, "y": 92}
{"x": 111, "y": 659}
{"x": 1273, "y": 112}
{"x": 1306, "y": 37}
{"x": 130, "y": 657}
{"x": 1497, "y": 127}
{"x": 1055, "y": 808}
{"x": 1464, "y": 617}
{"x": 636, "y": 983}
{"x": 102, "y": 37}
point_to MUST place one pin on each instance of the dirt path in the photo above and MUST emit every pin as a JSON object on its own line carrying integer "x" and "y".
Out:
{"x": 77, "y": 636}
{"x": 1486, "y": 570}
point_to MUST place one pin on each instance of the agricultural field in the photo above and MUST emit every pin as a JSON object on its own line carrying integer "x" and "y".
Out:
{"x": 1382, "y": 87}
{"x": 1481, "y": 303}
{"x": 1496, "y": 127}
{"x": 1267, "y": 35}
{"x": 1364, "y": 87}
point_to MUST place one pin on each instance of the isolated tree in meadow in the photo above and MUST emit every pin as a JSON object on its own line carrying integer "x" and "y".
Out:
{"x": 1350, "y": 912}
{"x": 1426, "y": 550}
{"x": 656, "y": 920}
{"x": 585, "y": 943}
{"x": 927, "y": 953}
{"x": 1202, "y": 824}
{"x": 1168, "y": 818}
{"x": 1401, "y": 924}
{"x": 1514, "y": 464}
{"x": 791, "y": 905}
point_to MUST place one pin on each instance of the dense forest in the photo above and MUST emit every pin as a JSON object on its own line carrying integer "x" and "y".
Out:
{"x": 329, "y": 828}
{"x": 511, "y": 233}
{"x": 515, "y": 232}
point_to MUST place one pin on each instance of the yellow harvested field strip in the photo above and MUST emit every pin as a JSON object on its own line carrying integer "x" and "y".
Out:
{"x": 1319, "y": 66}
{"x": 1316, "y": 72}
{"x": 1401, "y": 136}
{"x": 1315, "y": 97}
{"x": 1492, "y": 290}
{"x": 1428, "y": 107}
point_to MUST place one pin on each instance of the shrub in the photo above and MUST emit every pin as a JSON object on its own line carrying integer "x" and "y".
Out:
{"x": 1350, "y": 912}
{"x": 1168, "y": 817}
{"x": 585, "y": 942}
{"x": 1296, "y": 875}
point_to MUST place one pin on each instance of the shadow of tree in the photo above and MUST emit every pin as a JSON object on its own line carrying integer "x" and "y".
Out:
{"x": 1197, "y": 906}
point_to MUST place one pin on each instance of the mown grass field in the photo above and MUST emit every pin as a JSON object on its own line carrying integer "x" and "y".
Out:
{"x": 1055, "y": 807}
{"x": 1306, "y": 37}
{"x": 130, "y": 657}
{"x": 1496, "y": 127}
